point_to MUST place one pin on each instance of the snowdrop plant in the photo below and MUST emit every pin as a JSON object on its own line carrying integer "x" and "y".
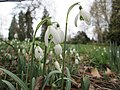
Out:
{"x": 56, "y": 33}
{"x": 82, "y": 15}
{"x": 38, "y": 53}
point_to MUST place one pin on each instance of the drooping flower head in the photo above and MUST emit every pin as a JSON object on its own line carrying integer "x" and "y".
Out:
{"x": 58, "y": 49}
{"x": 56, "y": 33}
{"x": 38, "y": 53}
{"x": 83, "y": 15}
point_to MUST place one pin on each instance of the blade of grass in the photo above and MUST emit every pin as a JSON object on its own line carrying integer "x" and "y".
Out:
{"x": 16, "y": 78}
{"x": 11, "y": 87}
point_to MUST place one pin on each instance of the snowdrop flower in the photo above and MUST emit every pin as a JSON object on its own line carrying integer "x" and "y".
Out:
{"x": 51, "y": 53}
{"x": 61, "y": 57}
{"x": 18, "y": 50}
{"x": 74, "y": 50}
{"x": 15, "y": 35}
{"x": 79, "y": 58}
{"x": 71, "y": 51}
{"x": 102, "y": 54}
{"x": 76, "y": 61}
{"x": 47, "y": 61}
{"x": 58, "y": 49}
{"x": 77, "y": 54}
{"x": 117, "y": 54}
{"x": 38, "y": 53}
{"x": 23, "y": 51}
{"x": 61, "y": 34}
{"x": 83, "y": 15}
{"x": 57, "y": 35}
{"x": 57, "y": 66}
{"x": 65, "y": 51}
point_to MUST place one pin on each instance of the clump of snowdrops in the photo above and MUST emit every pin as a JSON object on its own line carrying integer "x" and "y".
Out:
{"x": 31, "y": 69}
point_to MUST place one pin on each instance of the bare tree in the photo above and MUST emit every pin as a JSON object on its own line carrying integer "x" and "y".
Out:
{"x": 101, "y": 12}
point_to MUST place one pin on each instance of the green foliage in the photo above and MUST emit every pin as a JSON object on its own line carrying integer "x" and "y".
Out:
{"x": 11, "y": 87}
{"x": 85, "y": 83}
{"x": 17, "y": 79}
{"x": 114, "y": 36}
{"x": 114, "y": 57}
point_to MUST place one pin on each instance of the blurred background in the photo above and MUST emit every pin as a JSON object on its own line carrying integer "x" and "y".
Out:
{"x": 21, "y": 17}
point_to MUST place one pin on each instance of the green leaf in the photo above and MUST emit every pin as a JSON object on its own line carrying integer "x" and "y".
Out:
{"x": 68, "y": 82}
{"x": 33, "y": 82}
{"x": 64, "y": 79}
{"x": 49, "y": 75}
{"x": 16, "y": 78}
{"x": 11, "y": 87}
{"x": 85, "y": 83}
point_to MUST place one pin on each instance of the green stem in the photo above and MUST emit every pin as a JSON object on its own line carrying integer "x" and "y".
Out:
{"x": 32, "y": 49}
{"x": 62, "y": 76}
{"x": 45, "y": 55}
{"x": 31, "y": 67}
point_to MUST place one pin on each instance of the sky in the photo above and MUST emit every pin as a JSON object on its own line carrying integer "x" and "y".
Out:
{"x": 58, "y": 10}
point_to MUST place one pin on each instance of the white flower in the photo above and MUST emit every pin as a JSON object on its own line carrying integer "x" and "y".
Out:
{"x": 61, "y": 34}
{"x": 61, "y": 57}
{"x": 85, "y": 15}
{"x": 38, "y": 53}
{"x": 76, "y": 61}
{"x": 66, "y": 51}
{"x": 74, "y": 50}
{"x": 51, "y": 53}
{"x": 58, "y": 49}
{"x": 47, "y": 61}
{"x": 23, "y": 51}
{"x": 15, "y": 35}
{"x": 57, "y": 66}
{"x": 57, "y": 35}
{"x": 77, "y": 54}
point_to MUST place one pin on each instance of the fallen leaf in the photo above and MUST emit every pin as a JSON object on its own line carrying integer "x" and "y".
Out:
{"x": 95, "y": 73}
{"x": 108, "y": 72}
{"x": 38, "y": 83}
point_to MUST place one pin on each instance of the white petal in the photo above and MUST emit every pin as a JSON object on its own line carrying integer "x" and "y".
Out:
{"x": 76, "y": 61}
{"x": 15, "y": 35}
{"x": 58, "y": 49}
{"x": 57, "y": 66}
{"x": 56, "y": 37}
{"x": 61, "y": 34}
{"x": 38, "y": 53}
{"x": 86, "y": 16}
{"x": 76, "y": 19}
{"x": 46, "y": 37}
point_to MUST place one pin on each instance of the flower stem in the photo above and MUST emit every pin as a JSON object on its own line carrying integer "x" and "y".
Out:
{"x": 66, "y": 27}
{"x": 45, "y": 55}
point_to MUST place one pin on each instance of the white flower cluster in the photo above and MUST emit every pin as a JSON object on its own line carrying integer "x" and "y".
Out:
{"x": 57, "y": 37}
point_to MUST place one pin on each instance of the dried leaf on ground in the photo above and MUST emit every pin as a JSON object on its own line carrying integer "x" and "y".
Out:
{"x": 95, "y": 73}
{"x": 108, "y": 72}
{"x": 38, "y": 83}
